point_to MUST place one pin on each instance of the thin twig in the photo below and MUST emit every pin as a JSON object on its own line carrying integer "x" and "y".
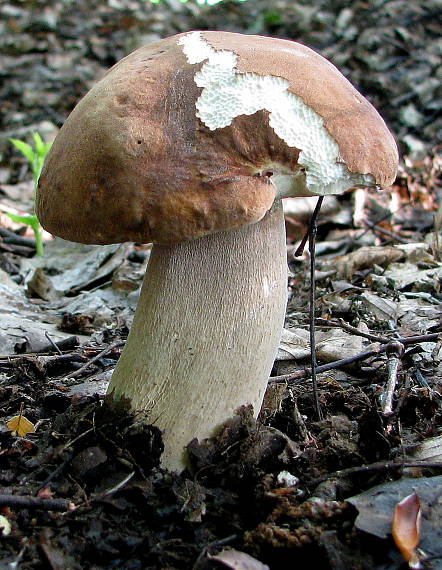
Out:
{"x": 56, "y": 472}
{"x": 368, "y": 336}
{"x": 72, "y": 441}
{"x": 347, "y": 327}
{"x": 300, "y": 249}
{"x": 416, "y": 339}
{"x": 311, "y": 245}
{"x": 92, "y": 360}
{"x": 56, "y": 348}
{"x": 379, "y": 466}
{"x": 302, "y": 374}
{"x": 395, "y": 351}
{"x": 310, "y": 235}
{"x": 25, "y": 502}
{"x": 382, "y": 230}
{"x": 214, "y": 544}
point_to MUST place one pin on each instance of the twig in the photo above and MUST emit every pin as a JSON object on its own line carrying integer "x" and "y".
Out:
{"x": 379, "y": 466}
{"x": 382, "y": 230}
{"x": 214, "y": 544}
{"x": 56, "y": 348}
{"x": 300, "y": 249}
{"x": 395, "y": 351}
{"x": 16, "y": 239}
{"x": 311, "y": 245}
{"x": 302, "y": 374}
{"x": 310, "y": 235}
{"x": 92, "y": 360}
{"x": 56, "y": 472}
{"x": 305, "y": 373}
{"x": 17, "y": 249}
{"x": 64, "y": 344}
{"x": 25, "y": 502}
{"x": 368, "y": 336}
{"x": 72, "y": 441}
{"x": 416, "y": 339}
{"x": 347, "y": 327}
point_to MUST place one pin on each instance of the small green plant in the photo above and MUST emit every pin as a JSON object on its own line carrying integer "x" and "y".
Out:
{"x": 36, "y": 155}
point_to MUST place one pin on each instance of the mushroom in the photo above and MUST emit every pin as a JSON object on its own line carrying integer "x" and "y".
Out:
{"x": 191, "y": 143}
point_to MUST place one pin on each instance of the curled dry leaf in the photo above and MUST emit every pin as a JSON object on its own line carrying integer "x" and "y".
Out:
{"x": 231, "y": 559}
{"x": 365, "y": 258}
{"x": 406, "y": 528}
{"x": 45, "y": 493}
{"x": 430, "y": 449}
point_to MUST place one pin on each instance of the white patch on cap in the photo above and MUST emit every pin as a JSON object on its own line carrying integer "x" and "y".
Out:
{"x": 228, "y": 93}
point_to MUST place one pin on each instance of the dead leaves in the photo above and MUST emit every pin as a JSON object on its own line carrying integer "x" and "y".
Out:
{"x": 20, "y": 425}
{"x": 394, "y": 508}
{"x": 406, "y": 529}
{"x": 366, "y": 258}
{"x": 331, "y": 345}
{"x": 230, "y": 559}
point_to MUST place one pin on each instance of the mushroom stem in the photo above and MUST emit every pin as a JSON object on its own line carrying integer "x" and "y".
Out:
{"x": 206, "y": 331}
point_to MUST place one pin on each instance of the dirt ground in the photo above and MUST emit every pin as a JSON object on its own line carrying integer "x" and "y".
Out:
{"x": 81, "y": 488}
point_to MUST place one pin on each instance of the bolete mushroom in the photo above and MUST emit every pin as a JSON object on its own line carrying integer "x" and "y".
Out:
{"x": 191, "y": 143}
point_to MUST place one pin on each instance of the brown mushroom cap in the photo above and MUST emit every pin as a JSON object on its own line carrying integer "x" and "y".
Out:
{"x": 136, "y": 162}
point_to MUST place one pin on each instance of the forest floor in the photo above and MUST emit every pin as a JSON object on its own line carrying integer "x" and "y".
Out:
{"x": 80, "y": 489}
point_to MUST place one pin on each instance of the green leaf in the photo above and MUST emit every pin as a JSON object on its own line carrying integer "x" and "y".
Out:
{"x": 38, "y": 141}
{"x": 25, "y": 148}
{"x": 40, "y": 146}
{"x": 272, "y": 18}
{"x": 27, "y": 219}
{"x": 32, "y": 221}
{"x": 36, "y": 157}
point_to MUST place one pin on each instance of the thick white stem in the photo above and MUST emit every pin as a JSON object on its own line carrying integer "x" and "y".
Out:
{"x": 206, "y": 331}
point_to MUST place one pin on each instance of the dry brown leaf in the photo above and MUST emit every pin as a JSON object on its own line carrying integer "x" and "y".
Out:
{"x": 232, "y": 560}
{"x": 428, "y": 450}
{"x": 406, "y": 529}
{"x": 365, "y": 258}
{"x": 21, "y": 425}
{"x": 45, "y": 493}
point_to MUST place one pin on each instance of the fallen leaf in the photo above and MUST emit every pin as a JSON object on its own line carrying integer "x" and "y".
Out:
{"x": 294, "y": 344}
{"x": 336, "y": 344}
{"x": 45, "y": 493}
{"x": 376, "y": 507}
{"x": 21, "y": 425}
{"x": 365, "y": 258}
{"x": 406, "y": 528}
{"x": 380, "y": 308}
{"x": 408, "y": 274}
{"x": 330, "y": 345}
{"x": 232, "y": 560}
{"x": 430, "y": 449}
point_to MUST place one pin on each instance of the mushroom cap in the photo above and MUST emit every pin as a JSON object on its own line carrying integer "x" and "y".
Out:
{"x": 200, "y": 132}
